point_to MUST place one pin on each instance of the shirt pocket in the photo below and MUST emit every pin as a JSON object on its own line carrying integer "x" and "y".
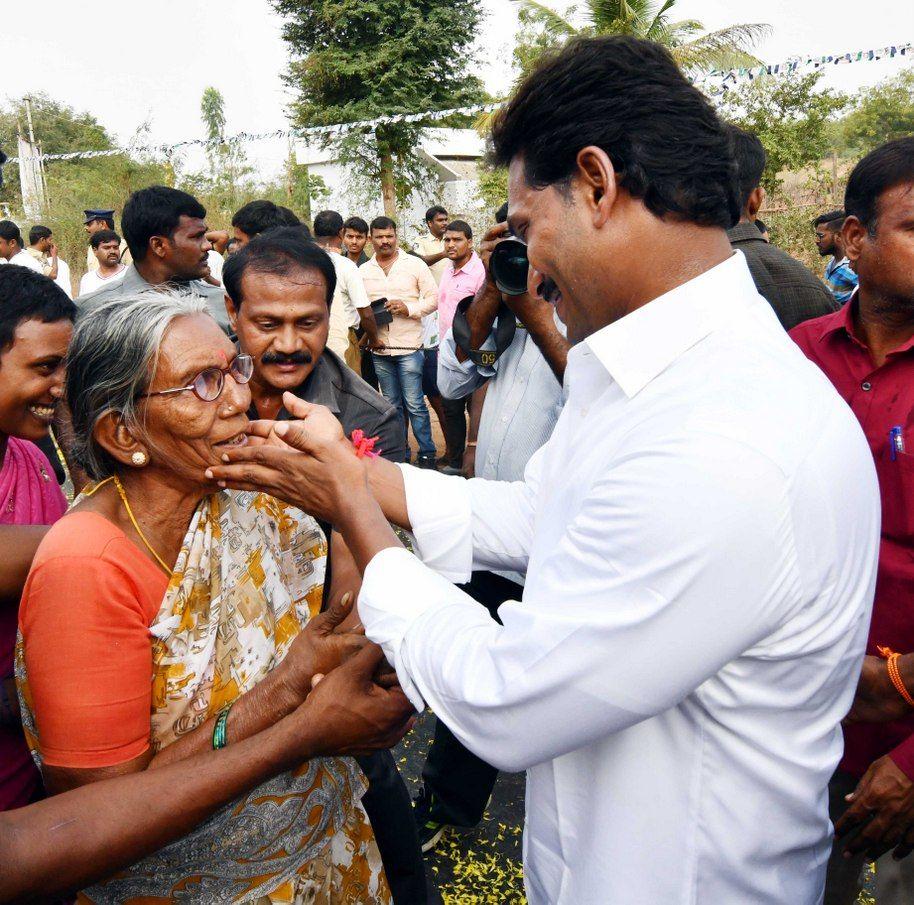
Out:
{"x": 896, "y": 492}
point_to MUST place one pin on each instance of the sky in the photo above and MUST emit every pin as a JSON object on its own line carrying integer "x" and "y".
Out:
{"x": 138, "y": 63}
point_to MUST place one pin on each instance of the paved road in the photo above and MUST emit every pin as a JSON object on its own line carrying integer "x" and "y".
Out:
{"x": 472, "y": 867}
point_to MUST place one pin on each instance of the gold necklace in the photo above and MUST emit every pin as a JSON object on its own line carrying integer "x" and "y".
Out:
{"x": 130, "y": 515}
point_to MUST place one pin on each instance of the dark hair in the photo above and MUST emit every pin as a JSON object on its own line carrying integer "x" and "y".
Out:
{"x": 889, "y": 165}
{"x": 760, "y": 225}
{"x": 357, "y": 225}
{"x": 104, "y": 235}
{"x": 257, "y": 217}
{"x": 327, "y": 224}
{"x": 277, "y": 252}
{"x": 27, "y": 295}
{"x": 628, "y": 97}
{"x": 502, "y": 213}
{"x": 383, "y": 223}
{"x": 460, "y": 226}
{"x": 289, "y": 217}
{"x": 433, "y": 212}
{"x": 155, "y": 211}
{"x": 37, "y": 233}
{"x": 10, "y": 232}
{"x": 834, "y": 220}
{"x": 750, "y": 158}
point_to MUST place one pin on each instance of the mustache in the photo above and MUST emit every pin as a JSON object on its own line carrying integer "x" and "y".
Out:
{"x": 547, "y": 289}
{"x": 280, "y": 358}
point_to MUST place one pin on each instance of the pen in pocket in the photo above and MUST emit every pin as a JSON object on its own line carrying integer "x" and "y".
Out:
{"x": 896, "y": 442}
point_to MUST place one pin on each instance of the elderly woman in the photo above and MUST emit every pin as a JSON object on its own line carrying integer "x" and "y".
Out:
{"x": 152, "y": 574}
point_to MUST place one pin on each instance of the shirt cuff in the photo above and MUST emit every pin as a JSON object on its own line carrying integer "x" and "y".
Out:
{"x": 387, "y": 613}
{"x": 903, "y": 756}
{"x": 439, "y": 511}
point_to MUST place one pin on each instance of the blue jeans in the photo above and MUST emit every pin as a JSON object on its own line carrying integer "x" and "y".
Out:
{"x": 400, "y": 377}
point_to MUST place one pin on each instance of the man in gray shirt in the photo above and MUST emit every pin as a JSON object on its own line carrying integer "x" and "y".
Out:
{"x": 166, "y": 234}
{"x": 794, "y": 292}
{"x": 522, "y": 404}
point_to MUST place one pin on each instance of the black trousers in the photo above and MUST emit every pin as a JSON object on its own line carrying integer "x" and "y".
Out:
{"x": 460, "y": 782}
{"x": 455, "y": 427}
{"x": 390, "y": 811}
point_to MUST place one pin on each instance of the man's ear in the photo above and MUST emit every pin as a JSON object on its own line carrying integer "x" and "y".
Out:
{"x": 112, "y": 435}
{"x": 159, "y": 246}
{"x": 853, "y": 236}
{"x": 756, "y": 200}
{"x": 232, "y": 312}
{"x": 596, "y": 178}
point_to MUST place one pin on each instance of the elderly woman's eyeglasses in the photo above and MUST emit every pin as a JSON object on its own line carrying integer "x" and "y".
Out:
{"x": 207, "y": 385}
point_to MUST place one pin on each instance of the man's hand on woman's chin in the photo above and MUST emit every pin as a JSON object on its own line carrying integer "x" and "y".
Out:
{"x": 308, "y": 463}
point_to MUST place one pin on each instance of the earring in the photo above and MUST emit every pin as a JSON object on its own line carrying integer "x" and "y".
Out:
{"x": 139, "y": 459}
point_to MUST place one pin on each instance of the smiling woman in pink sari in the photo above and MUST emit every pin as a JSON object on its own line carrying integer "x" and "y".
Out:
{"x": 36, "y": 322}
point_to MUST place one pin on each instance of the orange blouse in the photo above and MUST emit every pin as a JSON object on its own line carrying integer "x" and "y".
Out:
{"x": 88, "y": 602}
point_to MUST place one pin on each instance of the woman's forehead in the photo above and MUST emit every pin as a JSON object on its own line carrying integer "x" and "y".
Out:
{"x": 193, "y": 343}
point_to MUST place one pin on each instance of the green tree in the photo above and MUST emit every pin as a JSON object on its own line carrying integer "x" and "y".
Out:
{"x": 356, "y": 60}
{"x": 884, "y": 112}
{"x": 790, "y": 115}
{"x": 542, "y": 29}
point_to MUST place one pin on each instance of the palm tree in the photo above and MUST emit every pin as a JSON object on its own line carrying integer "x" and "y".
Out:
{"x": 692, "y": 50}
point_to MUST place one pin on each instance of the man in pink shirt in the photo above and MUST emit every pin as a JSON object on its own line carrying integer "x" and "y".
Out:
{"x": 464, "y": 274}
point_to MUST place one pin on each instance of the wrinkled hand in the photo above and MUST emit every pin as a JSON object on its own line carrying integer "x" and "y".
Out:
{"x": 881, "y": 811}
{"x": 352, "y": 713}
{"x": 319, "y": 648}
{"x": 395, "y": 306}
{"x": 877, "y": 700}
{"x": 308, "y": 463}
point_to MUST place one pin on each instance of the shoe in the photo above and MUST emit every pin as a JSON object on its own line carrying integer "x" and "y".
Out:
{"x": 450, "y": 470}
{"x": 427, "y": 461}
{"x": 430, "y": 831}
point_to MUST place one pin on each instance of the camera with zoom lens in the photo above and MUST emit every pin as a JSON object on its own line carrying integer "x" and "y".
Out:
{"x": 509, "y": 266}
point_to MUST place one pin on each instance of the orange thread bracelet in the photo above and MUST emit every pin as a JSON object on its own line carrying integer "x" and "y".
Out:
{"x": 895, "y": 674}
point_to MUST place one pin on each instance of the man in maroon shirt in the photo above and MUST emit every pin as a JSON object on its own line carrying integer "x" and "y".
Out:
{"x": 867, "y": 351}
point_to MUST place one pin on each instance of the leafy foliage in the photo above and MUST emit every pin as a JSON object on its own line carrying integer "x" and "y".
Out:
{"x": 790, "y": 115}
{"x": 542, "y": 29}
{"x": 884, "y": 112}
{"x": 358, "y": 59}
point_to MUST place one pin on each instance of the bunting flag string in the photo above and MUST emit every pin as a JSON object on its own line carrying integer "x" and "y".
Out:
{"x": 713, "y": 82}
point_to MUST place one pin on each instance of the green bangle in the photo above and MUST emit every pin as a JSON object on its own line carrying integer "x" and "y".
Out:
{"x": 219, "y": 730}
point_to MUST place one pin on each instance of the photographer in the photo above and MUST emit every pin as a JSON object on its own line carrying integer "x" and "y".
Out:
{"x": 523, "y": 400}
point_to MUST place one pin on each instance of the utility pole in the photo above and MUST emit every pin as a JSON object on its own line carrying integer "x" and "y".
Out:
{"x": 43, "y": 186}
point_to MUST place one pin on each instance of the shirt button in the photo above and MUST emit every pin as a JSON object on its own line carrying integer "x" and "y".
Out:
{"x": 504, "y": 419}
{"x": 866, "y": 385}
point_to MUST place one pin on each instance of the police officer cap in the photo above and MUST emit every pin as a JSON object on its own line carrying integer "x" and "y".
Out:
{"x": 98, "y": 215}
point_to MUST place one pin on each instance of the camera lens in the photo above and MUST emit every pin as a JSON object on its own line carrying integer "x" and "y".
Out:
{"x": 509, "y": 267}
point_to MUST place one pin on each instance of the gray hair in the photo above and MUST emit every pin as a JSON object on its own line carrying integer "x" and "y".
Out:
{"x": 112, "y": 360}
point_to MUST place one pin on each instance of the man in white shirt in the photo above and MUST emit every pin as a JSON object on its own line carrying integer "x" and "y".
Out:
{"x": 11, "y": 250}
{"x": 106, "y": 247}
{"x": 43, "y": 249}
{"x": 700, "y": 534}
{"x": 351, "y": 308}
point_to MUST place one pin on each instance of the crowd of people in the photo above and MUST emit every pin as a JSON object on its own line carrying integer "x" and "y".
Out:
{"x": 678, "y": 589}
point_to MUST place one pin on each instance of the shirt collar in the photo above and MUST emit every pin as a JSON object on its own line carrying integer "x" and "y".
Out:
{"x": 745, "y": 232}
{"x": 469, "y": 262}
{"x": 640, "y": 346}
{"x": 843, "y": 320}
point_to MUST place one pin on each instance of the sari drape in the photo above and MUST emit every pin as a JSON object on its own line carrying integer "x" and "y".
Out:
{"x": 247, "y": 580}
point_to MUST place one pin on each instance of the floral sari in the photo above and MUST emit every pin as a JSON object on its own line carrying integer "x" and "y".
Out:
{"x": 248, "y": 578}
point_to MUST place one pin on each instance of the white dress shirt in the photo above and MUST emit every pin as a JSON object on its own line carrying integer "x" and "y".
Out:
{"x": 700, "y": 536}
{"x": 348, "y": 297}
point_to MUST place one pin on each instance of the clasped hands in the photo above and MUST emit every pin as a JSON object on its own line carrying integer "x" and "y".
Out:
{"x": 346, "y": 685}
